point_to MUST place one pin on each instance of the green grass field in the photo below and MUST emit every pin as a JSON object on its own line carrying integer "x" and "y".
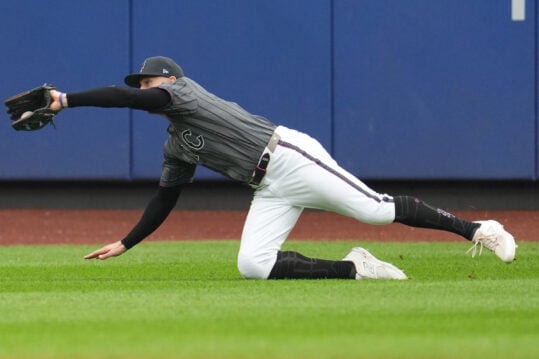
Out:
{"x": 187, "y": 300}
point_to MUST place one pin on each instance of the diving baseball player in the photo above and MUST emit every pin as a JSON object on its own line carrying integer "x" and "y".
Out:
{"x": 287, "y": 170}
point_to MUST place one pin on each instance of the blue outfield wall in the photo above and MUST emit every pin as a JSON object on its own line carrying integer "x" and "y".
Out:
{"x": 414, "y": 89}
{"x": 435, "y": 89}
{"x": 84, "y": 44}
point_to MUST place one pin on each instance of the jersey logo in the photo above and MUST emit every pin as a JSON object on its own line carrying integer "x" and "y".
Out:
{"x": 195, "y": 143}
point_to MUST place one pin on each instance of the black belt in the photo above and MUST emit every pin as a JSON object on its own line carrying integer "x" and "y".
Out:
{"x": 260, "y": 169}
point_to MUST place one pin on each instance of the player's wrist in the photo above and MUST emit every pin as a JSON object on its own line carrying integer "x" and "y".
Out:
{"x": 62, "y": 98}
{"x": 126, "y": 243}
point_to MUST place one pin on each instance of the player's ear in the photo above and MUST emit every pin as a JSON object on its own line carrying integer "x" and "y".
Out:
{"x": 172, "y": 78}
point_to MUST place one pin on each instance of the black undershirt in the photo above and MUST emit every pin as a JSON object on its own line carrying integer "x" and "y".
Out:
{"x": 151, "y": 99}
{"x": 156, "y": 212}
{"x": 148, "y": 99}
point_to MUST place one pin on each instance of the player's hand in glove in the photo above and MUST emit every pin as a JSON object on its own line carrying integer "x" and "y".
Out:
{"x": 110, "y": 250}
{"x": 34, "y": 109}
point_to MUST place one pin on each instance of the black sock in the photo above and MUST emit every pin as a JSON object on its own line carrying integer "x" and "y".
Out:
{"x": 293, "y": 265}
{"x": 416, "y": 213}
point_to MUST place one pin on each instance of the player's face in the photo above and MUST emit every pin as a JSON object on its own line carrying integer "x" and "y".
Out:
{"x": 149, "y": 82}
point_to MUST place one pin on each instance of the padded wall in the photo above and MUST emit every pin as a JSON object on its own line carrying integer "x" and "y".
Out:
{"x": 415, "y": 89}
{"x": 435, "y": 89}
{"x": 86, "y": 44}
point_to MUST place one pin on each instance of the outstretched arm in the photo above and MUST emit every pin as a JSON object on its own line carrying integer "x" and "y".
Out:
{"x": 112, "y": 96}
{"x": 155, "y": 213}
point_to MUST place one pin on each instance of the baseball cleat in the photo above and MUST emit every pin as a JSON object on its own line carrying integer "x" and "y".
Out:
{"x": 370, "y": 267}
{"x": 492, "y": 236}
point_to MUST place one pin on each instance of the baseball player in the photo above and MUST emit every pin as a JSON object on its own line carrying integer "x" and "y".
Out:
{"x": 288, "y": 171}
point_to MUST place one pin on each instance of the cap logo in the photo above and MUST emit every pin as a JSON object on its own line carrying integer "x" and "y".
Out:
{"x": 165, "y": 71}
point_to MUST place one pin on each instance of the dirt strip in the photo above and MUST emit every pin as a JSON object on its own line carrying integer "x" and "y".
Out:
{"x": 44, "y": 226}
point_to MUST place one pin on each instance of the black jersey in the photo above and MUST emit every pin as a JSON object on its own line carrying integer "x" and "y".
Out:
{"x": 212, "y": 132}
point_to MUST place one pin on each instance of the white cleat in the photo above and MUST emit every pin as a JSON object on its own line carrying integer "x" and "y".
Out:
{"x": 492, "y": 235}
{"x": 370, "y": 267}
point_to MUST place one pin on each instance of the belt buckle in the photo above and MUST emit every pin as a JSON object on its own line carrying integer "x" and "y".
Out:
{"x": 273, "y": 142}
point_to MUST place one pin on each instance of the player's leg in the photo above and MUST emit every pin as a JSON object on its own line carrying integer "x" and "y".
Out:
{"x": 491, "y": 234}
{"x": 353, "y": 199}
{"x": 416, "y": 213}
{"x": 269, "y": 222}
{"x": 325, "y": 185}
{"x": 273, "y": 215}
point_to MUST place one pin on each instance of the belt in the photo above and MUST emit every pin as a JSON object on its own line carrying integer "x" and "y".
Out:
{"x": 260, "y": 169}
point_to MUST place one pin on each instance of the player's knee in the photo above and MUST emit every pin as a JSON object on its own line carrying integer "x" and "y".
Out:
{"x": 380, "y": 214}
{"x": 252, "y": 267}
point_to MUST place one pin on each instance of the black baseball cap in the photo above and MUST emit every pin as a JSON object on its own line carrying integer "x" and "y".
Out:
{"x": 154, "y": 66}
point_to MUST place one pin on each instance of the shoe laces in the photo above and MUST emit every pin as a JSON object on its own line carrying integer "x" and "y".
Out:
{"x": 488, "y": 241}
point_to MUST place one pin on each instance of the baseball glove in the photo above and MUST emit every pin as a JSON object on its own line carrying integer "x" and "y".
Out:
{"x": 30, "y": 110}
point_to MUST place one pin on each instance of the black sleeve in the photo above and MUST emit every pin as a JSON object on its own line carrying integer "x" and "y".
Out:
{"x": 148, "y": 99}
{"x": 155, "y": 213}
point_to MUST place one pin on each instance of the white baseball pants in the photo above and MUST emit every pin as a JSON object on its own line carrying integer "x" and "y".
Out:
{"x": 301, "y": 174}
